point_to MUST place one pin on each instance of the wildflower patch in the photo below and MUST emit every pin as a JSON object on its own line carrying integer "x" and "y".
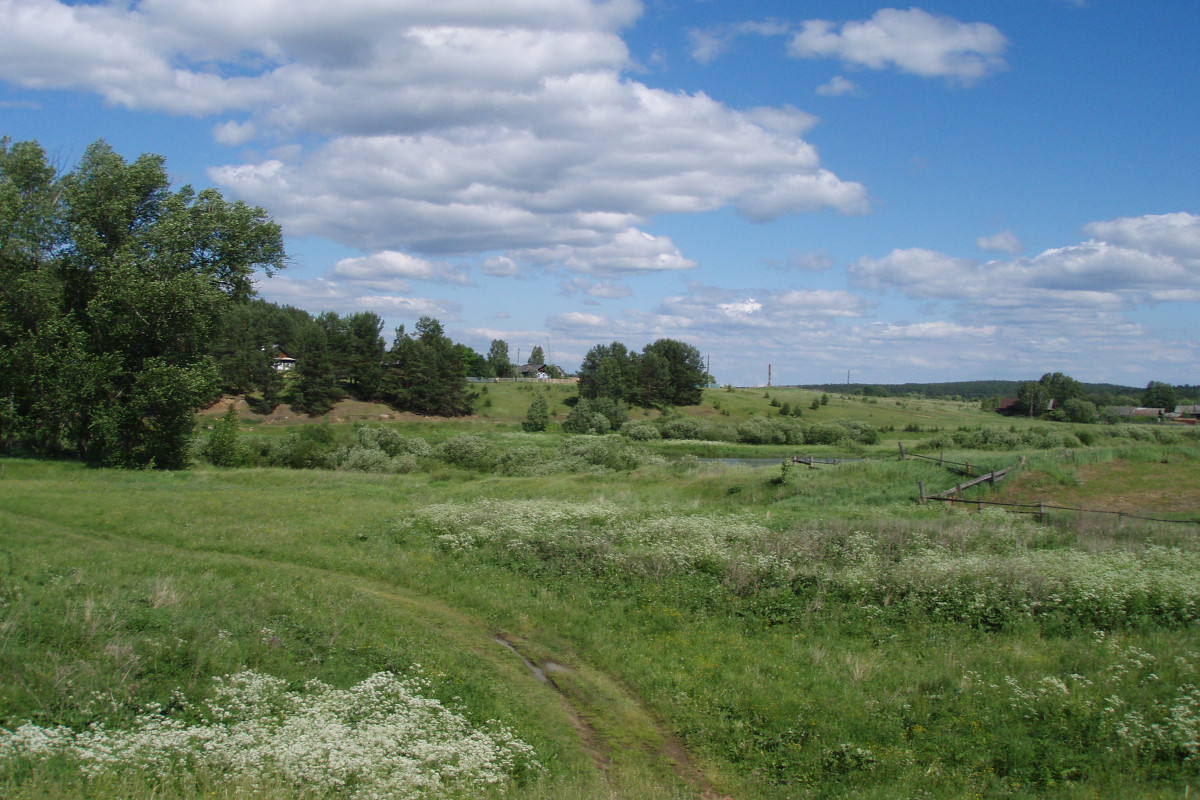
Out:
{"x": 381, "y": 738}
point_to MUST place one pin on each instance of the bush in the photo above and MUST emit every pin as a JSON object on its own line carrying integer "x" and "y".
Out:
{"x": 538, "y": 415}
{"x": 469, "y": 452}
{"x": 223, "y": 448}
{"x": 758, "y": 430}
{"x": 309, "y": 447}
{"x": 368, "y": 459}
{"x": 680, "y": 428}
{"x": 642, "y": 431}
{"x": 609, "y": 452}
{"x": 861, "y": 432}
{"x": 828, "y": 433}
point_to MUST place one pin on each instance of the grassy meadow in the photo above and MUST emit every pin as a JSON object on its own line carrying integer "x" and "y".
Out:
{"x": 459, "y": 609}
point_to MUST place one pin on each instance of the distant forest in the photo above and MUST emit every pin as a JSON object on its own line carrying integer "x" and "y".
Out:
{"x": 1102, "y": 394}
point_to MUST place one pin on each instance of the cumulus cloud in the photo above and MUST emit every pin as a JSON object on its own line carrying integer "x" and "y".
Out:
{"x": 912, "y": 41}
{"x": 837, "y": 87}
{"x": 1002, "y": 242}
{"x": 1151, "y": 259}
{"x": 1174, "y": 235}
{"x": 388, "y": 269}
{"x": 436, "y": 128}
{"x": 628, "y": 252}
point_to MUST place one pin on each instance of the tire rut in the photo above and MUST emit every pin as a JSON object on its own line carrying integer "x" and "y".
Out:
{"x": 560, "y": 675}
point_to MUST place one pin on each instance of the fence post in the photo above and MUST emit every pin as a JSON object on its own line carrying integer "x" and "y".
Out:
{"x": 923, "y": 497}
{"x": 1041, "y": 511}
{"x": 968, "y": 469}
{"x": 942, "y": 459}
{"x": 903, "y": 455}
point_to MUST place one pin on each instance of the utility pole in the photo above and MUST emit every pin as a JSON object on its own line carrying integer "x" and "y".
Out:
{"x": 768, "y": 376}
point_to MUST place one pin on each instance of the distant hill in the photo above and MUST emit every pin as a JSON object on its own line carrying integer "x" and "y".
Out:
{"x": 967, "y": 390}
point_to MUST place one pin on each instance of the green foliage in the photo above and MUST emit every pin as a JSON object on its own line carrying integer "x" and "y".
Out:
{"x": 425, "y": 374}
{"x": 469, "y": 452}
{"x": 119, "y": 284}
{"x": 641, "y": 431}
{"x": 538, "y": 416}
{"x": 497, "y": 359}
{"x": 666, "y": 373}
{"x": 1076, "y": 409}
{"x": 587, "y": 416}
{"x": 223, "y": 448}
{"x": 1159, "y": 395}
{"x": 1033, "y": 399}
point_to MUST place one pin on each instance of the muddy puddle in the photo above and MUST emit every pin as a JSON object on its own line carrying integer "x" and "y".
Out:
{"x": 538, "y": 672}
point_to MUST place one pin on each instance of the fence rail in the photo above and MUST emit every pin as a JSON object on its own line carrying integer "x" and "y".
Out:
{"x": 1041, "y": 509}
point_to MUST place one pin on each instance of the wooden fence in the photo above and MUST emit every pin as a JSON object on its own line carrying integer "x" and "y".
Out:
{"x": 1041, "y": 508}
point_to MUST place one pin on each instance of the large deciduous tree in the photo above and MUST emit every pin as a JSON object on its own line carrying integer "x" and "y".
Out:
{"x": 498, "y": 359}
{"x": 1159, "y": 395}
{"x": 666, "y": 373}
{"x": 111, "y": 289}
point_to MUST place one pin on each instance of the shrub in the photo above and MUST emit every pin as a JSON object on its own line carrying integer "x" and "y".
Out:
{"x": 538, "y": 415}
{"x": 309, "y": 447}
{"x": 642, "y": 431}
{"x": 680, "y": 428}
{"x": 609, "y": 452}
{"x": 469, "y": 452}
{"x": 861, "y": 432}
{"x": 826, "y": 433}
{"x": 223, "y": 448}
{"x": 367, "y": 459}
{"x": 758, "y": 430}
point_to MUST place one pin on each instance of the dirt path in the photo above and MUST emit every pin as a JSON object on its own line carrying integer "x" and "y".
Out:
{"x": 615, "y": 730}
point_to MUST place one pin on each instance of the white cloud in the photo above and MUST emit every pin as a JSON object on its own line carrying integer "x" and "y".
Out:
{"x": 602, "y": 289}
{"x": 1092, "y": 283}
{"x": 576, "y": 320}
{"x": 598, "y": 156}
{"x": 234, "y": 133}
{"x": 741, "y": 308}
{"x": 1174, "y": 235}
{"x": 810, "y": 262}
{"x": 706, "y": 45}
{"x": 912, "y": 41}
{"x": 501, "y": 267}
{"x": 1002, "y": 242}
{"x": 837, "y": 87}
{"x": 628, "y": 252}
{"x": 432, "y": 127}
{"x": 385, "y": 268}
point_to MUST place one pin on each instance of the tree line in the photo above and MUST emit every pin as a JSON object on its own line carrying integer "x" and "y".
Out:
{"x": 126, "y": 305}
{"x": 1061, "y": 398}
{"x": 336, "y": 356}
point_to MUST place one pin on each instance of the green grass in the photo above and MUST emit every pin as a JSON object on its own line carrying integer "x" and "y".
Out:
{"x": 720, "y": 629}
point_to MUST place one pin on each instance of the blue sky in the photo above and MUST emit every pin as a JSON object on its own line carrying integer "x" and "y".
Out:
{"x": 949, "y": 191}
